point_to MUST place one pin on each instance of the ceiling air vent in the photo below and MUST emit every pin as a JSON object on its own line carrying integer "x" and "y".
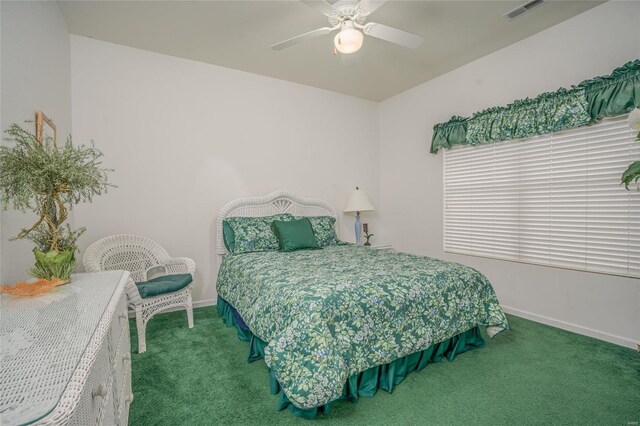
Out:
{"x": 522, "y": 9}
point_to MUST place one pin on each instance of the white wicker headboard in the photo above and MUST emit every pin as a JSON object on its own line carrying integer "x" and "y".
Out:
{"x": 274, "y": 203}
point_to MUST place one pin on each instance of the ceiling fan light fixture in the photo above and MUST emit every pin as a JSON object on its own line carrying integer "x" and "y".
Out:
{"x": 348, "y": 40}
{"x": 349, "y": 17}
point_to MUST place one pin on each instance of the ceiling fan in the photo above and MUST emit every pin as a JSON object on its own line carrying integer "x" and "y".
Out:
{"x": 349, "y": 17}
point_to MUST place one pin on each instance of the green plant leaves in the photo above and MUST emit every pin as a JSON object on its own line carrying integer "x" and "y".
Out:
{"x": 632, "y": 174}
{"x": 48, "y": 180}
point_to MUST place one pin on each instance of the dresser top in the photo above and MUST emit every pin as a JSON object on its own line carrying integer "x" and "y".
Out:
{"x": 43, "y": 338}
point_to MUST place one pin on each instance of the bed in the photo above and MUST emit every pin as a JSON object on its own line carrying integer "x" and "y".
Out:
{"x": 343, "y": 321}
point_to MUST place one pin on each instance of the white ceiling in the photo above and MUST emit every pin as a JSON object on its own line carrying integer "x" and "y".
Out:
{"x": 237, "y": 34}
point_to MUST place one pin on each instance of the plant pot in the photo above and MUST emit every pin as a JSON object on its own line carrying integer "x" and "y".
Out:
{"x": 54, "y": 264}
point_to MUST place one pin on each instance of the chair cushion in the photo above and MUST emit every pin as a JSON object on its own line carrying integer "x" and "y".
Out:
{"x": 163, "y": 285}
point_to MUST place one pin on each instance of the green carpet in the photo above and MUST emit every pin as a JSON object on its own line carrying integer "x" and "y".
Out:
{"x": 532, "y": 374}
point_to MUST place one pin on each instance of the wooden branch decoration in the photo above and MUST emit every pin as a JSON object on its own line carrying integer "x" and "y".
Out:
{"x": 41, "y": 120}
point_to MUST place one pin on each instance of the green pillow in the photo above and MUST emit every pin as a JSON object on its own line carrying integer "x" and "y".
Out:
{"x": 324, "y": 229}
{"x": 254, "y": 233}
{"x": 228, "y": 237}
{"x": 295, "y": 234}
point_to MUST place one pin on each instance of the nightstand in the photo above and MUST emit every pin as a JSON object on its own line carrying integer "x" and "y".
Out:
{"x": 380, "y": 246}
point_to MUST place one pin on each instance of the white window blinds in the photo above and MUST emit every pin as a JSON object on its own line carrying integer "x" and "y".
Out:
{"x": 553, "y": 200}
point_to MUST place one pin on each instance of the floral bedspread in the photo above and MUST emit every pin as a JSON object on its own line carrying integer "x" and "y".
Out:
{"x": 331, "y": 313}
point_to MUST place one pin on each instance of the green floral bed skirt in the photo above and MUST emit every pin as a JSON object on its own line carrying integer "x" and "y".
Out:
{"x": 363, "y": 384}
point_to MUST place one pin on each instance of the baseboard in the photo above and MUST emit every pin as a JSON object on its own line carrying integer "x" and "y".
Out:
{"x": 202, "y": 303}
{"x": 586, "y": 331}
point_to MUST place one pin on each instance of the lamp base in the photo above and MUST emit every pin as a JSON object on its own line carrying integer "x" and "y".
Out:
{"x": 358, "y": 228}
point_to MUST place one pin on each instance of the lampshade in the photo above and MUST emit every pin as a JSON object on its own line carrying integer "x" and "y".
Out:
{"x": 634, "y": 119}
{"x": 348, "y": 40}
{"x": 358, "y": 202}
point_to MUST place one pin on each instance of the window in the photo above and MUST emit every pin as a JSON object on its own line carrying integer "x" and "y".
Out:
{"x": 553, "y": 200}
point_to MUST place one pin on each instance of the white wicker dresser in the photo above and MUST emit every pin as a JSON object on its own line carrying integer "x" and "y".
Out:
{"x": 66, "y": 355}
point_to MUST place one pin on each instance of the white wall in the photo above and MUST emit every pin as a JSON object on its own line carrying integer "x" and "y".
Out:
{"x": 411, "y": 179}
{"x": 35, "y": 76}
{"x": 187, "y": 137}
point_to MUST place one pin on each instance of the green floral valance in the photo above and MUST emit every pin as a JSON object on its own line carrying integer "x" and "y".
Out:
{"x": 584, "y": 104}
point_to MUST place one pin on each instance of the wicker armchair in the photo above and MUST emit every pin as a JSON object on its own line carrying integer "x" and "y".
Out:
{"x": 138, "y": 255}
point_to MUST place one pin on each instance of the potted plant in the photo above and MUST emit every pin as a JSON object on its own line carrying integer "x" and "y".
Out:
{"x": 48, "y": 180}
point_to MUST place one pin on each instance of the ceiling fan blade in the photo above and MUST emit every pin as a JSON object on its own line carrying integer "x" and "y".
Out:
{"x": 370, "y": 6}
{"x": 306, "y": 36}
{"x": 393, "y": 35}
{"x": 321, "y": 6}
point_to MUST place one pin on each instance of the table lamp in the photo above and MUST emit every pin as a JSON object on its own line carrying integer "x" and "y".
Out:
{"x": 358, "y": 202}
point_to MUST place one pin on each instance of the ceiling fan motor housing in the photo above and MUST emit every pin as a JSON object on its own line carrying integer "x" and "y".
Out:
{"x": 347, "y": 10}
